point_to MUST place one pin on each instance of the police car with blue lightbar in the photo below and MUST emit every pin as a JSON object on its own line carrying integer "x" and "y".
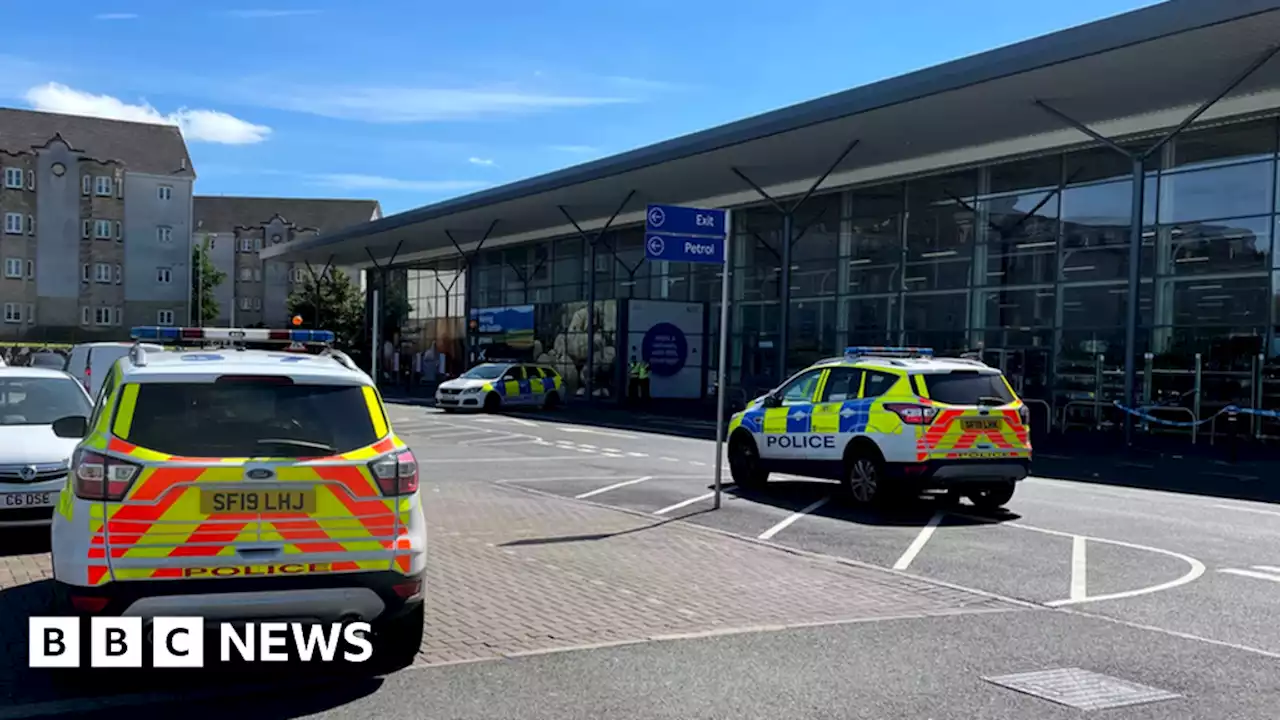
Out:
{"x": 889, "y": 422}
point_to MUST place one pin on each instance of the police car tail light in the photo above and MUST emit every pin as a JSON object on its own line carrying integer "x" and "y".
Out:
{"x": 912, "y": 414}
{"x": 98, "y": 477}
{"x": 397, "y": 473}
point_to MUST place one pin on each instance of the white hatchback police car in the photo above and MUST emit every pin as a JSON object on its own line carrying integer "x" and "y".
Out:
{"x": 493, "y": 386}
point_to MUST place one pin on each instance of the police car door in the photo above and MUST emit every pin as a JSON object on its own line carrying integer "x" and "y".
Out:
{"x": 839, "y": 414}
{"x": 534, "y": 382}
{"x": 516, "y": 386}
{"x": 787, "y": 424}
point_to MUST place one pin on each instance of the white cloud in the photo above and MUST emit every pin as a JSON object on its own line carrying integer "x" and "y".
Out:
{"x": 351, "y": 181}
{"x": 576, "y": 149}
{"x": 414, "y": 105}
{"x": 482, "y": 162}
{"x": 209, "y": 126}
{"x": 116, "y": 16}
{"x": 262, "y": 13}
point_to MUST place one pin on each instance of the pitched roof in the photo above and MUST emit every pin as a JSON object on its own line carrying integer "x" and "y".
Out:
{"x": 141, "y": 147}
{"x": 218, "y": 213}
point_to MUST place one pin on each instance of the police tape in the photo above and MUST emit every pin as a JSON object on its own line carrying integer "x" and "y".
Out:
{"x": 1142, "y": 414}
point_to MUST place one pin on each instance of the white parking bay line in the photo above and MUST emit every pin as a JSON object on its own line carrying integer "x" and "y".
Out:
{"x": 1079, "y": 569}
{"x": 685, "y": 503}
{"x": 918, "y": 544}
{"x": 538, "y": 458}
{"x": 792, "y": 518}
{"x": 1252, "y": 574}
{"x": 1248, "y": 510}
{"x": 615, "y": 486}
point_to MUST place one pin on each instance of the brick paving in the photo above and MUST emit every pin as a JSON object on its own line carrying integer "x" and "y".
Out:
{"x": 512, "y": 572}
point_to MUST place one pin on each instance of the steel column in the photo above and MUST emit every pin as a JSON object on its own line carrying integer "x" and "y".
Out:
{"x": 467, "y": 261}
{"x": 1132, "y": 309}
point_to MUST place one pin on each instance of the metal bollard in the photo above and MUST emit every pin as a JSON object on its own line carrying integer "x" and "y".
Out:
{"x": 1233, "y": 453}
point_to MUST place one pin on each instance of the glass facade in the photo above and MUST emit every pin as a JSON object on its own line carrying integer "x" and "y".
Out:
{"x": 1027, "y": 260}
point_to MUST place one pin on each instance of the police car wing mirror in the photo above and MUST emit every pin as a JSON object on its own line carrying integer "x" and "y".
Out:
{"x": 72, "y": 426}
{"x": 772, "y": 401}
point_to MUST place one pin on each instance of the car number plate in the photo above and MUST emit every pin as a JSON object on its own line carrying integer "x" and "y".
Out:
{"x": 11, "y": 500}
{"x": 219, "y": 502}
{"x": 981, "y": 424}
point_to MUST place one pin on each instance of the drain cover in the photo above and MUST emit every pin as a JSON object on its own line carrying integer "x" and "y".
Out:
{"x": 1081, "y": 689}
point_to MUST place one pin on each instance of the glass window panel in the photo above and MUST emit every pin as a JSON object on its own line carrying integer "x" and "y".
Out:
{"x": 865, "y": 277}
{"x": 874, "y": 206}
{"x": 758, "y": 242}
{"x": 1039, "y": 172}
{"x": 1101, "y": 306}
{"x": 1101, "y": 163}
{"x": 1021, "y": 239}
{"x": 813, "y": 332}
{"x": 1231, "y": 191}
{"x": 817, "y": 229}
{"x": 936, "y": 311}
{"x": 1095, "y": 230}
{"x": 1239, "y": 301}
{"x": 1242, "y": 245}
{"x": 874, "y": 245}
{"x": 568, "y": 263}
{"x": 1037, "y": 264}
{"x": 756, "y": 283}
{"x": 812, "y": 278}
{"x": 1022, "y": 308}
{"x": 942, "y": 274}
{"x": 872, "y": 320}
{"x": 923, "y": 193}
{"x": 1220, "y": 348}
{"x": 1229, "y": 143}
{"x": 940, "y": 234}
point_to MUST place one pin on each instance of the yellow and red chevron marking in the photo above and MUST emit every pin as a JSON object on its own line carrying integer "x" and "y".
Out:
{"x": 945, "y": 435}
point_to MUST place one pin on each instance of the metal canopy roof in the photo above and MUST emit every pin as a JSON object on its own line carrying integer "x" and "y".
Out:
{"x": 1174, "y": 55}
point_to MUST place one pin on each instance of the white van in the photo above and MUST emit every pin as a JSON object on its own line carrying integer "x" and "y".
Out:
{"x": 89, "y": 362}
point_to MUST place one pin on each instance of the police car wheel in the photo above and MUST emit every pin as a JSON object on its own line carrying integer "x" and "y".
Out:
{"x": 551, "y": 402}
{"x": 992, "y": 498}
{"x": 744, "y": 464}
{"x": 400, "y": 639}
{"x": 863, "y": 481}
{"x": 492, "y": 402}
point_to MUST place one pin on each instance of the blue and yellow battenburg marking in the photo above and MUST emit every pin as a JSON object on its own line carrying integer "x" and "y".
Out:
{"x": 850, "y": 416}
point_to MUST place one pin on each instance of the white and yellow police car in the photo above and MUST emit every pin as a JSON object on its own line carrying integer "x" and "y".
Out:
{"x": 889, "y": 422}
{"x": 237, "y": 484}
{"x": 494, "y": 386}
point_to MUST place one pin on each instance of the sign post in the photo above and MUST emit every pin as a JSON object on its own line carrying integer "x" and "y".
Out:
{"x": 697, "y": 235}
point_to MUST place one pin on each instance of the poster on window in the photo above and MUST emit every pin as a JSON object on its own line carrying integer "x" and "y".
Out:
{"x": 668, "y": 336}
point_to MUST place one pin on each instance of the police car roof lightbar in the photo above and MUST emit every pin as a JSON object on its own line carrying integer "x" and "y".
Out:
{"x": 888, "y": 351}
{"x": 215, "y": 335}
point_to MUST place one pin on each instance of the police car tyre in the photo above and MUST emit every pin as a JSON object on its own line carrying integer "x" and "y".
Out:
{"x": 991, "y": 498}
{"x": 399, "y": 639}
{"x": 864, "y": 479}
{"x": 552, "y": 402}
{"x": 744, "y": 463}
{"x": 492, "y": 402}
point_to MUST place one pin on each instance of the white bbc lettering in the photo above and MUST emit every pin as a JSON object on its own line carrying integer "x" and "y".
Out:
{"x": 328, "y": 645}
{"x": 177, "y": 642}
{"x": 53, "y": 642}
{"x": 273, "y": 637}
{"x": 357, "y": 634}
{"x": 244, "y": 643}
{"x": 116, "y": 642}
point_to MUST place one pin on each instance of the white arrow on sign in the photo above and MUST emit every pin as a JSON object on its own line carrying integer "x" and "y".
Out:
{"x": 657, "y": 217}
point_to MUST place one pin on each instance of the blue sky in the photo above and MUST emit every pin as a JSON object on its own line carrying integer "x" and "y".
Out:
{"x": 413, "y": 101}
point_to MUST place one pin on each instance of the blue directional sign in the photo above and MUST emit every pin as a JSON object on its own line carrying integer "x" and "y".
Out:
{"x": 678, "y": 220}
{"x": 685, "y": 234}
{"x": 684, "y": 248}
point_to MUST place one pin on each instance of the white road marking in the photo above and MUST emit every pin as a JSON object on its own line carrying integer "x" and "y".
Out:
{"x": 612, "y": 450}
{"x": 614, "y": 486}
{"x": 1079, "y": 570}
{"x": 918, "y": 544}
{"x": 1197, "y": 567}
{"x": 792, "y": 518}
{"x": 670, "y": 459}
{"x": 593, "y": 447}
{"x": 636, "y": 454}
{"x": 518, "y": 421}
{"x": 595, "y": 432}
{"x": 506, "y": 481}
{"x": 1248, "y": 510}
{"x": 684, "y": 503}
{"x": 434, "y": 461}
{"x": 1254, "y": 573}
{"x": 695, "y": 462}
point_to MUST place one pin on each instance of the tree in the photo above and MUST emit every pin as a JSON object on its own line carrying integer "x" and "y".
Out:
{"x": 205, "y": 279}
{"x": 341, "y": 306}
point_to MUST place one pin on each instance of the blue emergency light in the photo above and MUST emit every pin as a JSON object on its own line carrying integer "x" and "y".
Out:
{"x": 208, "y": 334}
{"x": 887, "y": 351}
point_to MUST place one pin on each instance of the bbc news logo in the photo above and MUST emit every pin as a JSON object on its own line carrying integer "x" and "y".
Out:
{"x": 179, "y": 642}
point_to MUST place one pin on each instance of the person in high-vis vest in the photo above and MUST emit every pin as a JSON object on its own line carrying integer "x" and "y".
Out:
{"x": 639, "y": 378}
{"x": 633, "y": 379}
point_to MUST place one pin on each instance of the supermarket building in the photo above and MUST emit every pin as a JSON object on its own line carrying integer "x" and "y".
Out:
{"x": 986, "y": 204}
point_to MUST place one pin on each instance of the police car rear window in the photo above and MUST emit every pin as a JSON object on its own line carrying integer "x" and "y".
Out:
{"x": 967, "y": 387}
{"x": 251, "y": 419}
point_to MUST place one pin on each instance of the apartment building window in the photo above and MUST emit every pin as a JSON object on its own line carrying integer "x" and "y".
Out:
{"x": 164, "y": 317}
{"x": 119, "y": 315}
{"x": 244, "y": 303}
{"x": 246, "y": 244}
{"x": 31, "y": 314}
{"x": 86, "y": 184}
{"x": 102, "y": 316}
{"x": 84, "y": 273}
{"x": 31, "y": 224}
{"x": 102, "y": 272}
{"x": 102, "y": 229}
{"x": 119, "y": 231}
{"x": 84, "y": 315}
{"x": 257, "y": 244}
{"x": 13, "y": 267}
{"x": 257, "y": 303}
{"x": 164, "y": 235}
{"x": 164, "y": 192}
{"x": 31, "y": 179}
{"x": 246, "y": 274}
{"x": 102, "y": 186}
{"x": 119, "y": 274}
{"x": 12, "y": 313}
{"x": 13, "y": 178}
{"x": 86, "y": 227}
{"x": 13, "y": 223}
{"x": 164, "y": 275}
{"x": 257, "y": 274}
{"x": 31, "y": 269}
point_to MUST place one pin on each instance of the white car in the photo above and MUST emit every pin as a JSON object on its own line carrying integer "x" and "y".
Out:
{"x": 89, "y": 362}
{"x": 34, "y": 461}
{"x": 493, "y": 386}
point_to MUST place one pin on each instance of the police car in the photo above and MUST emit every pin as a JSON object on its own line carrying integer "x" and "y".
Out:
{"x": 493, "y": 386}
{"x": 886, "y": 422}
{"x": 238, "y": 484}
